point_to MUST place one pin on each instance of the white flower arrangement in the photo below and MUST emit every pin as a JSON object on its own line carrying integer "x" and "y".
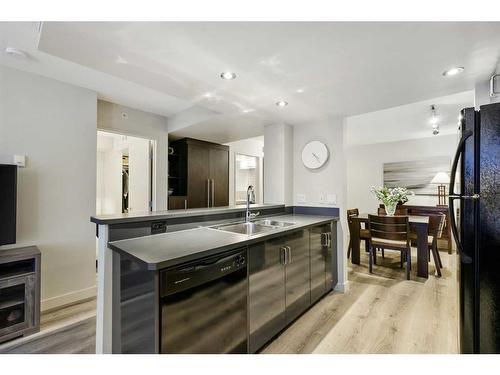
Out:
{"x": 391, "y": 196}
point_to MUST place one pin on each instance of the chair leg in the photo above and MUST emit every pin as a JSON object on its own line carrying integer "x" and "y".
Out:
{"x": 409, "y": 257}
{"x": 439, "y": 258}
{"x": 408, "y": 265}
{"x": 367, "y": 245}
{"x": 383, "y": 254}
{"x": 370, "y": 260}
{"x": 349, "y": 248}
{"x": 375, "y": 256}
{"x": 401, "y": 260}
{"x": 436, "y": 261}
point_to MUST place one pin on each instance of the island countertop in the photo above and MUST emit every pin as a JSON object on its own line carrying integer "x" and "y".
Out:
{"x": 171, "y": 214}
{"x": 170, "y": 249}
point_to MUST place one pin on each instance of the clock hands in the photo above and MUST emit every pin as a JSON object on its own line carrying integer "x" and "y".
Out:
{"x": 316, "y": 156}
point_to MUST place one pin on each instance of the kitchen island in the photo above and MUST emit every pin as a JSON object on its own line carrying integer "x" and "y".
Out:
{"x": 135, "y": 258}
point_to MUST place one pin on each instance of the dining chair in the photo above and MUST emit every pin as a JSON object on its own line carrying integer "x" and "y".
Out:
{"x": 434, "y": 232}
{"x": 436, "y": 225}
{"x": 390, "y": 233}
{"x": 363, "y": 233}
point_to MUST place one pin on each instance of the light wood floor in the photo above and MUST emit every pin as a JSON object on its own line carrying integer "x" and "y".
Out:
{"x": 69, "y": 330}
{"x": 381, "y": 313}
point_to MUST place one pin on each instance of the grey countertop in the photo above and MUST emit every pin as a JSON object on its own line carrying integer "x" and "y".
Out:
{"x": 160, "y": 215}
{"x": 170, "y": 249}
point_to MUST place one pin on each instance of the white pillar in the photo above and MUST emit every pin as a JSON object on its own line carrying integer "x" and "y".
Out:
{"x": 103, "y": 337}
{"x": 278, "y": 164}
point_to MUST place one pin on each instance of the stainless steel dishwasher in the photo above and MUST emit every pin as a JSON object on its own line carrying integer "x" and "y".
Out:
{"x": 204, "y": 305}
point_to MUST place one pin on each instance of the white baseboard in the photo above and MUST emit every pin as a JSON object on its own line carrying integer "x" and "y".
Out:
{"x": 342, "y": 288}
{"x": 68, "y": 298}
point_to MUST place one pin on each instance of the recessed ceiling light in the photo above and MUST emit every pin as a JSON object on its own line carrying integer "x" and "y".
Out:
{"x": 299, "y": 91}
{"x": 16, "y": 52}
{"x": 121, "y": 60}
{"x": 248, "y": 110}
{"x": 453, "y": 71}
{"x": 228, "y": 75}
{"x": 281, "y": 103}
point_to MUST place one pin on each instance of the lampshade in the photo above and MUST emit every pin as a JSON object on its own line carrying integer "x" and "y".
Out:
{"x": 441, "y": 178}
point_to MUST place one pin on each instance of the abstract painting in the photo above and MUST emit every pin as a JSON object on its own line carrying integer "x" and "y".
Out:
{"x": 416, "y": 175}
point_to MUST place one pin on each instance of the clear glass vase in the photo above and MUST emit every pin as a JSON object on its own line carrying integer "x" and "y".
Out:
{"x": 390, "y": 208}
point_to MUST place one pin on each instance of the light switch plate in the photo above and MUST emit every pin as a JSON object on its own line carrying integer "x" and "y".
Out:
{"x": 301, "y": 198}
{"x": 331, "y": 198}
{"x": 20, "y": 160}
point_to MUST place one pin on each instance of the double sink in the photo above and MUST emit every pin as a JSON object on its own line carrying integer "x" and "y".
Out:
{"x": 253, "y": 227}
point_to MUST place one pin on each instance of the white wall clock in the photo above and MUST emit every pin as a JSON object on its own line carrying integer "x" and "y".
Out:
{"x": 315, "y": 154}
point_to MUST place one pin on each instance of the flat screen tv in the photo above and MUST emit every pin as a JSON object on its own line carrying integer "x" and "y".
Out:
{"x": 8, "y": 189}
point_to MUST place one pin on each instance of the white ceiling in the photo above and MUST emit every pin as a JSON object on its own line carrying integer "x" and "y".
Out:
{"x": 343, "y": 68}
{"x": 409, "y": 121}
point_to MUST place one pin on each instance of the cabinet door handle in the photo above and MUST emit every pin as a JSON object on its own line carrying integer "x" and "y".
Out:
{"x": 282, "y": 255}
{"x": 213, "y": 192}
{"x": 185, "y": 204}
{"x": 289, "y": 249}
{"x": 208, "y": 192}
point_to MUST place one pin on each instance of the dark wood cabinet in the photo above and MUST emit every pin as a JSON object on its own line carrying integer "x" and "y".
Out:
{"x": 219, "y": 175}
{"x": 200, "y": 172}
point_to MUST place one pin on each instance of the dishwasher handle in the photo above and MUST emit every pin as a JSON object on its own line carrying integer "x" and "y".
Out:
{"x": 196, "y": 273}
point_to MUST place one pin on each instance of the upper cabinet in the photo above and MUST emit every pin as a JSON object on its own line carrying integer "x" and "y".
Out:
{"x": 199, "y": 173}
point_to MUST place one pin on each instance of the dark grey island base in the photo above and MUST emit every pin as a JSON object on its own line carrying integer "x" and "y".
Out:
{"x": 278, "y": 289}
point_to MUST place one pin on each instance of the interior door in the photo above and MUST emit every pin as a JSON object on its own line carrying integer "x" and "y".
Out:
{"x": 198, "y": 176}
{"x": 297, "y": 272}
{"x": 219, "y": 175}
{"x": 266, "y": 291}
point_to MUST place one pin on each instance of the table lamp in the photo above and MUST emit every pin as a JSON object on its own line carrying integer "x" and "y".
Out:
{"x": 441, "y": 178}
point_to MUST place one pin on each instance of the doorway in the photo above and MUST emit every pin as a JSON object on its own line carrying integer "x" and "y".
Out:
{"x": 125, "y": 173}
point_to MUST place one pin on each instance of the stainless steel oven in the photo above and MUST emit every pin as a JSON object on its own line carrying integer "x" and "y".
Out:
{"x": 204, "y": 305}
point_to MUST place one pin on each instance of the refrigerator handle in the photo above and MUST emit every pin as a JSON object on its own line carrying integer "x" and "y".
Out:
{"x": 452, "y": 196}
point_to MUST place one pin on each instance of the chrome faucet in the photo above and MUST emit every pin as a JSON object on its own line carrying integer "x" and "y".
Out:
{"x": 250, "y": 198}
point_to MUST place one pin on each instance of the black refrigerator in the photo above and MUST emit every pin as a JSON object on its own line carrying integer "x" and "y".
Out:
{"x": 475, "y": 192}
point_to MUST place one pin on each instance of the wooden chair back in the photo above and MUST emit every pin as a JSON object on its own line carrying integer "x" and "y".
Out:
{"x": 436, "y": 225}
{"x": 350, "y": 214}
{"x": 395, "y": 228}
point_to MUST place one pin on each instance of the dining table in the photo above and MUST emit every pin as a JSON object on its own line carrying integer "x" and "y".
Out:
{"x": 418, "y": 225}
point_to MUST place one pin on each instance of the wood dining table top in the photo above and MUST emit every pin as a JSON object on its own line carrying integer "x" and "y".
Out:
{"x": 411, "y": 218}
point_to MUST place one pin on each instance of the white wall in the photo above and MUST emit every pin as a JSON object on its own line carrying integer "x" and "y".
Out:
{"x": 252, "y": 147}
{"x": 139, "y": 177}
{"x": 54, "y": 125}
{"x": 145, "y": 125}
{"x": 329, "y": 179}
{"x": 278, "y": 165}
{"x": 109, "y": 182}
{"x": 365, "y": 167}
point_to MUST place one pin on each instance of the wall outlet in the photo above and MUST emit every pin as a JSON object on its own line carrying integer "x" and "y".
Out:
{"x": 331, "y": 198}
{"x": 301, "y": 198}
{"x": 322, "y": 199}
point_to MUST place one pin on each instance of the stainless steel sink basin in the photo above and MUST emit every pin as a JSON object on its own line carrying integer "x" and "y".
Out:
{"x": 273, "y": 223}
{"x": 254, "y": 227}
{"x": 245, "y": 228}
